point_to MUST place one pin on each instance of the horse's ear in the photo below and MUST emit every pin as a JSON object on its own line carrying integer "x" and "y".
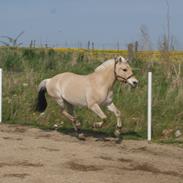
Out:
{"x": 118, "y": 59}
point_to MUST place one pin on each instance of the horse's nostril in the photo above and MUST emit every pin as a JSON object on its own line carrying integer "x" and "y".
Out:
{"x": 135, "y": 82}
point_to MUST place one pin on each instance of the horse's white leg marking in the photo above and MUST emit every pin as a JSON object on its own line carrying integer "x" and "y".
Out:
{"x": 97, "y": 110}
{"x": 117, "y": 113}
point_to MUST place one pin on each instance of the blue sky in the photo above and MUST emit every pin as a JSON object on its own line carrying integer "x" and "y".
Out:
{"x": 74, "y": 22}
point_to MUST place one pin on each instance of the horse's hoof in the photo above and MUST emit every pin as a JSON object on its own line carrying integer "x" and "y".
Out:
{"x": 118, "y": 140}
{"x": 81, "y": 136}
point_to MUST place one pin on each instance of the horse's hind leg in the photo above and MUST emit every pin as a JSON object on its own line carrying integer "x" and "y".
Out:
{"x": 75, "y": 124}
{"x": 67, "y": 110}
{"x": 69, "y": 113}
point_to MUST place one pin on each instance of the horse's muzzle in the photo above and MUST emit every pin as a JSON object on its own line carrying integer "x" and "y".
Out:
{"x": 133, "y": 82}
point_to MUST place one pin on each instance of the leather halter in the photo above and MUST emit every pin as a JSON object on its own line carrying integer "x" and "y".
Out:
{"x": 117, "y": 76}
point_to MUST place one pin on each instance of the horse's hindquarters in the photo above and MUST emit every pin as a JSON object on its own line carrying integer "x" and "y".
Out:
{"x": 70, "y": 87}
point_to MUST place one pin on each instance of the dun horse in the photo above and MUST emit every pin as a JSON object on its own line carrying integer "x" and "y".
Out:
{"x": 93, "y": 91}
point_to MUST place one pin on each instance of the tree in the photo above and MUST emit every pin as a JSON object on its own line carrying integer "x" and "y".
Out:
{"x": 167, "y": 42}
{"x": 145, "y": 41}
{"x": 12, "y": 41}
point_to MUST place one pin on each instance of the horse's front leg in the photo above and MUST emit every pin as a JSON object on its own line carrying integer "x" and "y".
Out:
{"x": 117, "y": 113}
{"x": 97, "y": 110}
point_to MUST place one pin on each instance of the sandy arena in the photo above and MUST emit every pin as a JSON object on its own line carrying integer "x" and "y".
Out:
{"x": 30, "y": 155}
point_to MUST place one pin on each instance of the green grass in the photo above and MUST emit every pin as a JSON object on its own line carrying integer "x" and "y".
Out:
{"x": 23, "y": 69}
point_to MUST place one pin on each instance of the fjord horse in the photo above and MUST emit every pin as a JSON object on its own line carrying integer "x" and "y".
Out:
{"x": 92, "y": 91}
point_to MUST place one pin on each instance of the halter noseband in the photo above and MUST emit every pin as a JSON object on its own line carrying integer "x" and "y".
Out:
{"x": 117, "y": 76}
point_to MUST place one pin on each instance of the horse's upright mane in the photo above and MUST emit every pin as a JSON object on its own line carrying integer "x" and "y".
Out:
{"x": 105, "y": 64}
{"x": 110, "y": 62}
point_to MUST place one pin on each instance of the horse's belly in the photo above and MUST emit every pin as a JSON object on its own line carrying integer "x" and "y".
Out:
{"x": 75, "y": 97}
{"x": 79, "y": 101}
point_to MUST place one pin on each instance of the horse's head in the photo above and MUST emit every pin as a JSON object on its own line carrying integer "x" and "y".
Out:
{"x": 123, "y": 72}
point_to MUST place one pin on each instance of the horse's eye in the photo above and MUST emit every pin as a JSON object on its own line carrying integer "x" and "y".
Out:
{"x": 124, "y": 70}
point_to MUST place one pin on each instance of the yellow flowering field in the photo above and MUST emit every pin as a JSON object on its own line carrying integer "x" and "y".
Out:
{"x": 144, "y": 55}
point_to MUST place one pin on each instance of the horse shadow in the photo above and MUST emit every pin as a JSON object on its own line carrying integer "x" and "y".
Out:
{"x": 102, "y": 136}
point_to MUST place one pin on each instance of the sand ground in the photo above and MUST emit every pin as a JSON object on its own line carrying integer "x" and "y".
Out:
{"x": 30, "y": 155}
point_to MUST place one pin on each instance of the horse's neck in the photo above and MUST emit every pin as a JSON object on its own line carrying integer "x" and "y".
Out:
{"x": 106, "y": 77}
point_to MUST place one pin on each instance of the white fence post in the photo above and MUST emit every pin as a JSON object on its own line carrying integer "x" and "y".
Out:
{"x": 149, "y": 107}
{"x": 0, "y": 95}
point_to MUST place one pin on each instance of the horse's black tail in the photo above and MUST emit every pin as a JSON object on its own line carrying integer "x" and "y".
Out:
{"x": 41, "y": 102}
